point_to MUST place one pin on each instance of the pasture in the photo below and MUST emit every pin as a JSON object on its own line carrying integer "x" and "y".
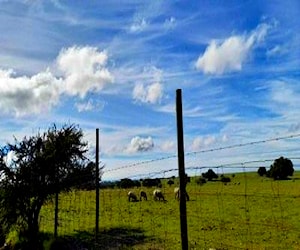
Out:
{"x": 250, "y": 212}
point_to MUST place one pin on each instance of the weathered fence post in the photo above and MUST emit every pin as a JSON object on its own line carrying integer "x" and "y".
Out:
{"x": 97, "y": 185}
{"x": 181, "y": 170}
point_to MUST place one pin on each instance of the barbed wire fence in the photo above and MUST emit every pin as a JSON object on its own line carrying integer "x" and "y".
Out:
{"x": 260, "y": 205}
{"x": 247, "y": 212}
{"x": 236, "y": 209}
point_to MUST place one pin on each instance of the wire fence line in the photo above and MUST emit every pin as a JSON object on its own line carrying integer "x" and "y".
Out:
{"x": 246, "y": 212}
{"x": 173, "y": 156}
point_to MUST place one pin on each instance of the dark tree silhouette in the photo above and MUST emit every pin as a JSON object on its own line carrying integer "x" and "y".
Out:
{"x": 151, "y": 182}
{"x": 84, "y": 176}
{"x": 41, "y": 167}
{"x": 209, "y": 175}
{"x": 225, "y": 179}
{"x": 262, "y": 171}
{"x": 281, "y": 168}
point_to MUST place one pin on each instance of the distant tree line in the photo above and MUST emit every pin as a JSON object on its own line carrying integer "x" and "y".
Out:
{"x": 281, "y": 169}
{"x": 129, "y": 183}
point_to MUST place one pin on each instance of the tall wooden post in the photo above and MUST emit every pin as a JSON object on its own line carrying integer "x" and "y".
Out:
{"x": 181, "y": 170}
{"x": 97, "y": 180}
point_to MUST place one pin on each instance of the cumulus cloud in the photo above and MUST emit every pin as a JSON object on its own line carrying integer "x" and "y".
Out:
{"x": 229, "y": 55}
{"x": 140, "y": 144}
{"x": 151, "y": 94}
{"x": 28, "y": 95}
{"x": 83, "y": 71}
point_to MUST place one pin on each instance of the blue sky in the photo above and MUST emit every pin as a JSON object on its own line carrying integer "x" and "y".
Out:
{"x": 116, "y": 65}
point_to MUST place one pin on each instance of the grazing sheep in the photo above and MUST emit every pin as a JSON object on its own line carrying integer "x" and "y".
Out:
{"x": 177, "y": 194}
{"x": 158, "y": 195}
{"x": 143, "y": 195}
{"x": 132, "y": 196}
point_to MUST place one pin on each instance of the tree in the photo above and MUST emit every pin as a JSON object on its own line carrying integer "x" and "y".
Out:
{"x": 151, "y": 182}
{"x": 262, "y": 171}
{"x": 126, "y": 183}
{"x": 84, "y": 176}
{"x": 41, "y": 167}
{"x": 209, "y": 175}
{"x": 281, "y": 169}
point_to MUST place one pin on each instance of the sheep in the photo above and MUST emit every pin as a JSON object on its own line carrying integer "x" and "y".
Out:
{"x": 158, "y": 195}
{"x": 132, "y": 196}
{"x": 143, "y": 195}
{"x": 177, "y": 194}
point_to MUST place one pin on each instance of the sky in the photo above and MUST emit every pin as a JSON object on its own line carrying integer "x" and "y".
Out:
{"x": 116, "y": 66}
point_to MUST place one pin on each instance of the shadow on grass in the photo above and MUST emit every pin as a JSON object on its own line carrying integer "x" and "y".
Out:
{"x": 114, "y": 238}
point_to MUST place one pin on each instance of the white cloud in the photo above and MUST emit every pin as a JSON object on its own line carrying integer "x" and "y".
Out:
{"x": 150, "y": 94}
{"x": 89, "y": 105}
{"x": 138, "y": 26}
{"x": 84, "y": 70}
{"x": 196, "y": 144}
{"x": 10, "y": 158}
{"x": 168, "y": 146}
{"x": 28, "y": 95}
{"x": 84, "y": 106}
{"x": 203, "y": 142}
{"x": 140, "y": 144}
{"x": 277, "y": 50}
{"x": 284, "y": 93}
{"x": 230, "y": 54}
{"x": 170, "y": 23}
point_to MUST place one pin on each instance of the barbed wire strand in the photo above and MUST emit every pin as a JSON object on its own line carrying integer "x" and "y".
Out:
{"x": 204, "y": 151}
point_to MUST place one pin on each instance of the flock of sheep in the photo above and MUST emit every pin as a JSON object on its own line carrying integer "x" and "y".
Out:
{"x": 157, "y": 195}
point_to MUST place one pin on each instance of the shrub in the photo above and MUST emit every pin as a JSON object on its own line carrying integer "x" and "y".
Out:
{"x": 225, "y": 179}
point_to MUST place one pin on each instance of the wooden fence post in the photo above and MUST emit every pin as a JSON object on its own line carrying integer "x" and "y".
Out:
{"x": 97, "y": 185}
{"x": 181, "y": 170}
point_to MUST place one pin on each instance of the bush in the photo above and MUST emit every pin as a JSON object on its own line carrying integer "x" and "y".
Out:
{"x": 225, "y": 179}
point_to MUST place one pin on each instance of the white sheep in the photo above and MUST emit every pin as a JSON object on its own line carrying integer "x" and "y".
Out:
{"x": 158, "y": 195}
{"x": 177, "y": 194}
{"x": 132, "y": 196}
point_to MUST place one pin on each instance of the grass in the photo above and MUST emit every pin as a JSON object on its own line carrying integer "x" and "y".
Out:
{"x": 250, "y": 212}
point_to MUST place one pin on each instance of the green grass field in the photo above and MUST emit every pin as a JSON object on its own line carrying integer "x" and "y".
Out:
{"x": 250, "y": 212}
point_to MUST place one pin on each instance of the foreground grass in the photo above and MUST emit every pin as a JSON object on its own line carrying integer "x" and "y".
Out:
{"x": 251, "y": 212}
